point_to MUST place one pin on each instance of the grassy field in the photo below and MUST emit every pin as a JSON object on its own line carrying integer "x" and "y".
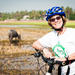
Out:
{"x": 23, "y": 22}
{"x": 41, "y": 23}
{"x": 70, "y": 24}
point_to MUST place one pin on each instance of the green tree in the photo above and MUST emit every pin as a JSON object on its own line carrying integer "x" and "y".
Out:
{"x": 68, "y": 11}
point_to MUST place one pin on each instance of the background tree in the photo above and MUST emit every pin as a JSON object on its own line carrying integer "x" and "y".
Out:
{"x": 68, "y": 11}
{"x": 35, "y": 15}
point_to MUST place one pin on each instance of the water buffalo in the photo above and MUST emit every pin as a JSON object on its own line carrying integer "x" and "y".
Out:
{"x": 13, "y": 34}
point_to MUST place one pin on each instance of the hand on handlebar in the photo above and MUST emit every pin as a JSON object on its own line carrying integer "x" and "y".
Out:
{"x": 50, "y": 60}
{"x": 60, "y": 59}
{"x": 46, "y": 53}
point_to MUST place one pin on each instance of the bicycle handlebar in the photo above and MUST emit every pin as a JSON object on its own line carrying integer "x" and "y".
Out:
{"x": 50, "y": 61}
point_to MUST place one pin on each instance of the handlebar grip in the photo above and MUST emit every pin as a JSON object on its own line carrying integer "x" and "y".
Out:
{"x": 58, "y": 62}
{"x": 36, "y": 49}
{"x": 53, "y": 61}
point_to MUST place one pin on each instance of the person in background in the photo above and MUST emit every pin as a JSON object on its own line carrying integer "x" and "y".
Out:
{"x": 61, "y": 40}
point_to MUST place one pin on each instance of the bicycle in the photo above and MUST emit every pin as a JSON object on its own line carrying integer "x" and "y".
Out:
{"x": 49, "y": 62}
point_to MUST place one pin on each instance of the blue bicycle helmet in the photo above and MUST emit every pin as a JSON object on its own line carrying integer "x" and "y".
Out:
{"x": 53, "y": 11}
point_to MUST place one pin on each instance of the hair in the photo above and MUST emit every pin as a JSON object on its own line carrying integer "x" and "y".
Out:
{"x": 63, "y": 18}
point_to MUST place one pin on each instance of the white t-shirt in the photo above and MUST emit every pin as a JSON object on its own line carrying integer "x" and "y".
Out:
{"x": 62, "y": 45}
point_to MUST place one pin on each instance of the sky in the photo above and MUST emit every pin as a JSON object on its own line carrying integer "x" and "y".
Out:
{"x": 22, "y": 5}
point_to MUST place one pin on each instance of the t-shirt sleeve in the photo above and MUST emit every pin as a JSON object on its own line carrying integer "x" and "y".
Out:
{"x": 45, "y": 41}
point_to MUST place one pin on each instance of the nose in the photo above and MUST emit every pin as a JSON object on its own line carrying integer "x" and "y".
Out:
{"x": 56, "y": 20}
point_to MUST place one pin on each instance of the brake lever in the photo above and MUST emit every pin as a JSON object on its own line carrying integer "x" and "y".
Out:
{"x": 37, "y": 54}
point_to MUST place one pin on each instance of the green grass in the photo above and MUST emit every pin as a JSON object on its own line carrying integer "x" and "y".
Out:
{"x": 23, "y": 23}
{"x": 70, "y": 24}
{"x": 41, "y": 24}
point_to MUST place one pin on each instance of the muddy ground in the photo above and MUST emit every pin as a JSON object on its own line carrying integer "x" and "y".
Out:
{"x": 28, "y": 36}
{"x": 16, "y": 58}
